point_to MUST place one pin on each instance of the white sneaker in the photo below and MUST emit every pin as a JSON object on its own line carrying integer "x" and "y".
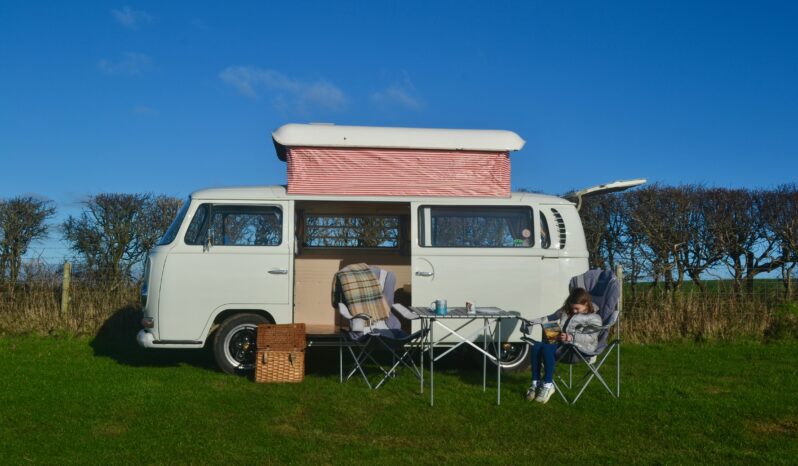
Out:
{"x": 532, "y": 393}
{"x": 545, "y": 392}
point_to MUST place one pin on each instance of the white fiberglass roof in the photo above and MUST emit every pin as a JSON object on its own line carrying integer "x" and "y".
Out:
{"x": 258, "y": 193}
{"x": 328, "y": 135}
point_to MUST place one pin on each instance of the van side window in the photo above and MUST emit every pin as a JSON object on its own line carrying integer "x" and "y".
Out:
{"x": 236, "y": 225}
{"x": 171, "y": 232}
{"x": 351, "y": 231}
{"x": 246, "y": 225}
{"x": 475, "y": 226}
{"x": 195, "y": 234}
{"x": 545, "y": 235}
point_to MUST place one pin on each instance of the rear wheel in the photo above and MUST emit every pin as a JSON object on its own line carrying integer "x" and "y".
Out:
{"x": 513, "y": 357}
{"x": 234, "y": 344}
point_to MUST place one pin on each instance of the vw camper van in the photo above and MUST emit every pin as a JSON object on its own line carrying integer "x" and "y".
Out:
{"x": 235, "y": 257}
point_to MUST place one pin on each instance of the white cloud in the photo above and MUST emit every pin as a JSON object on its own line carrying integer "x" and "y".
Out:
{"x": 131, "y": 18}
{"x": 131, "y": 63}
{"x": 400, "y": 94}
{"x": 288, "y": 93}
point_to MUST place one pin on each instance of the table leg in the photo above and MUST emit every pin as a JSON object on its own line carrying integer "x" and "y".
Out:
{"x": 421, "y": 350}
{"x": 431, "y": 363}
{"x": 484, "y": 355}
{"x": 498, "y": 362}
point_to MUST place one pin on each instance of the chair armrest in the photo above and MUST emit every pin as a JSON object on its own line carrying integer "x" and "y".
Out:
{"x": 404, "y": 312}
{"x": 344, "y": 311}
{"x": 364, "y": 316}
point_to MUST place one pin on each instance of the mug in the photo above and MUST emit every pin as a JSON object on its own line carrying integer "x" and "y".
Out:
{"x": 439, "y": 306}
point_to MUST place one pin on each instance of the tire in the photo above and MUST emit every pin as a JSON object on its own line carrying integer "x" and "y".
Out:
{"x": 234, "y": 343}
{"x": 514, "y": 356}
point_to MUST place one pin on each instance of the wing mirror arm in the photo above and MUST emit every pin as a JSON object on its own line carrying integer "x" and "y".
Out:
{"x": 208, "y": 242}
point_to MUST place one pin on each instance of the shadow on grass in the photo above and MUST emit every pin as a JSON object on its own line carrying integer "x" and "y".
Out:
{"x": 116, "y": 339}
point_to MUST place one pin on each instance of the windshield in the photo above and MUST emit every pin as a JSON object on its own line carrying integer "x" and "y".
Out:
{"x": 171, "y": 232}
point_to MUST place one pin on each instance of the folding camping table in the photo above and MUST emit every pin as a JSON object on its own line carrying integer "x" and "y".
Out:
{"x": 491, "y": 337}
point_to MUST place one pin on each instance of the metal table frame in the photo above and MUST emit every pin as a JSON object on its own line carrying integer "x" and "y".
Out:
{"x": 429, "y": 320}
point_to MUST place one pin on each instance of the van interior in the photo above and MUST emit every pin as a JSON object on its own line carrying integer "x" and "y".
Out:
{"x": 332, "y": 235}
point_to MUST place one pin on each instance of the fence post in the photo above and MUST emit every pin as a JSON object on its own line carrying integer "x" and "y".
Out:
{"x": 65, "y": 282}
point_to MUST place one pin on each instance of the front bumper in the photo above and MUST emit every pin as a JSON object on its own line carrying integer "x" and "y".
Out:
{"x": 145, "y": 339}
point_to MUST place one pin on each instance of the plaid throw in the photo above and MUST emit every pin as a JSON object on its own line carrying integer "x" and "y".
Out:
{"x": 356, "y": 286}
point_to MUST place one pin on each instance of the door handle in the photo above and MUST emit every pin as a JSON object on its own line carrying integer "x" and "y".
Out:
{"x": 278, "y": 271}
{"x": 424, "y": 274}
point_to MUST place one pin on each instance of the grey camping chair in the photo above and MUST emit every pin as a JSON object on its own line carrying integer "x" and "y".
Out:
{"x": 366, "y": 337}
{"x": 605, "y": 290}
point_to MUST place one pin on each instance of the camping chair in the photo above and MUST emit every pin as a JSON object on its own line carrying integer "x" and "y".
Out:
{"x": 367, "y": 336}
{"x": 605, "y": 290}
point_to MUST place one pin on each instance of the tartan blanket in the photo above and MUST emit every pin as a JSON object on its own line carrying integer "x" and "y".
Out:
{"x": 356, "y": 286}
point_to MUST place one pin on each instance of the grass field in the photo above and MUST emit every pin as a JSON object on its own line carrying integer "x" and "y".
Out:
{"x": 66, "y": 400}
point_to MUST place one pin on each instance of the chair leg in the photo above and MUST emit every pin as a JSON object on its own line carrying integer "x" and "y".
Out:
{"x": 358, "y": 365}
{"x": 397, "y": 361}
{"x": 341, "y": 360}
{"x": 570, "y": 376}
{"x": 618, "y": 370}
{"x": 594, "y": 372}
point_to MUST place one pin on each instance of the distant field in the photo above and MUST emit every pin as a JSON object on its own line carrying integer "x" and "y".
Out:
{"x": 761, "y": 286}
{"x": 71, "y": 401}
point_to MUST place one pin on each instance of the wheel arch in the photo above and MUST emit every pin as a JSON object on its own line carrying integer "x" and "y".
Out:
{"x": 223, "y": 314}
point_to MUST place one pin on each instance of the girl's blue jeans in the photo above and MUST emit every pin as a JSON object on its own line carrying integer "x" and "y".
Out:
{"x": 543, "y": 352}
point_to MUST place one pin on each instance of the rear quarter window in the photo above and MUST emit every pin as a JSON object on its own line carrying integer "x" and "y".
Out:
{"x": 475, "y": 226}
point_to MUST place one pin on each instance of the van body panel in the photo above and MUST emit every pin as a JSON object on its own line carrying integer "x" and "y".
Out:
{"x": 506, "y": 277}
{"x": 199, "y": 281}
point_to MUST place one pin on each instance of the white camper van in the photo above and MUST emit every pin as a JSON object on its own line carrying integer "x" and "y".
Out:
{"x": 238, "y": 256}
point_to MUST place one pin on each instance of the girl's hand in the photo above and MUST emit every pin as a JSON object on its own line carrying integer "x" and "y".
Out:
{"x": 564, "y": 337}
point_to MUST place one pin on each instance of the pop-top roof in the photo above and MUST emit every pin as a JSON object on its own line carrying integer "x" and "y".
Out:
{"x": 328, "y": 135}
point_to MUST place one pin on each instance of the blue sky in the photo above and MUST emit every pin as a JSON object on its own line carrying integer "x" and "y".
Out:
{"x": 169, "y": 97}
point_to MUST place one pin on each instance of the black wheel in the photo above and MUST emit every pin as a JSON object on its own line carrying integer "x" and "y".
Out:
{"x": 234, "y": 344}
{"x": 514, "y": 356}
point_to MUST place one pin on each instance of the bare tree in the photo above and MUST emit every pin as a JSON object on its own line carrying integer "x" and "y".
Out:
{"x": 700, "y": 249}
{"x": 748, "y": 247}
{"x": 22, "y": 220}
{"x": 604, "y": 222}
{"x": 653, "y": 217}
{"x": 780, "y": 215}
{"x": 159, "y": 212}
{"x": 114, "y": 232}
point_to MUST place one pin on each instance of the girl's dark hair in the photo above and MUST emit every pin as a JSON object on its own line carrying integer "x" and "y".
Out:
{"x": 578, "y": 296}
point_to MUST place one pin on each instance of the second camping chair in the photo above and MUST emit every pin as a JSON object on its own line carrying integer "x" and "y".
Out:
{"x": 363, "y": 296}
{"x": 605, "y": 291}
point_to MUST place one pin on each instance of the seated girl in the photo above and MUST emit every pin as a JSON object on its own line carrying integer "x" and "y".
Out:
{"x": 578, "y": 311}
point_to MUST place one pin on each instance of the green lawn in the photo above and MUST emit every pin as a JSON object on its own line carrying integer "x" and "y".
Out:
{"x": 78, "y": 401}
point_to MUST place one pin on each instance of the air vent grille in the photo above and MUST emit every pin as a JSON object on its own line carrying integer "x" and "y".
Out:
{"x": 560, "y": 227}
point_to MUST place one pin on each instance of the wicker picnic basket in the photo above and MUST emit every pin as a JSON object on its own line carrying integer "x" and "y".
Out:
{"x": 281, "y": 337}
{"x": 281, "y": 353}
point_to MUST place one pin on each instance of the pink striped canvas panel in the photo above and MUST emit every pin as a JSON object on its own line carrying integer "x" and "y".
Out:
{"x": 397, "y": 172}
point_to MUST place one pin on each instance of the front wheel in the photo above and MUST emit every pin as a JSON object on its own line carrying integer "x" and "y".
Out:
{"x": 235, "y": 343}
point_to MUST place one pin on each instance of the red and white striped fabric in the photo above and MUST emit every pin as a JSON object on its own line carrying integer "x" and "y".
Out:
{"x": 397, "y": 172}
